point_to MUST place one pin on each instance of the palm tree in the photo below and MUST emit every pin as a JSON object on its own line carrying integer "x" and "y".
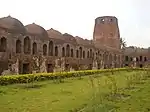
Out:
{"x": 122, "y": 43}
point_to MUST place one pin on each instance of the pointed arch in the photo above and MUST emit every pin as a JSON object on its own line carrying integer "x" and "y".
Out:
{"x": 110, "y": 58}
{"x": 115, "y": 57}
{"x": 77, "y": 53}
{"x": 145, "y": 58}
{"x": 141, "y": 58}
{"x": 88, "y": 54}
{"x": 137, "y": 59}
{"x": 3, "y": 44}
{"x": 67, "y": 50}
{"x": 27, "y": 45}
{"x": 71, "y": 52}
{"x": 18, "y": 46}
{"x": 34, "y": 48}
{"x": 131, "y": 59}
{"x": 126, "y": 58}
{"x": 44, "y": 49}
{"x": 63, "y": 52}
{"x": 96, "y": 55}
{"x": 105, "y": 57}
{"x": 56, "y": 51}
{"x": 51, "y": 47}
{"x": 93, "y": 55}
{"x": 80, "y": 52}
{"x": 83, "y": 54}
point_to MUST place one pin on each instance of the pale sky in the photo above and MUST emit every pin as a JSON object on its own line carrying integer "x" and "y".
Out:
{"x": 76, "y": 17}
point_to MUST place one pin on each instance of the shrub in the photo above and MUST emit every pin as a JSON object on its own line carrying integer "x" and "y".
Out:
{"x": 28, "y": 78}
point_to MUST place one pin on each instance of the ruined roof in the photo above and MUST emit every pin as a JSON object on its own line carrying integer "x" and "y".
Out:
{"x": 135, "y": 50}
{"x": 69, "y": 38}
{"x": 52, "y": 33}
{"x": 106, "y": 17}
{"x": 57, "y": 41}
{"x": 37, "y": 30}
{"x": 12, "y": 24}
{"x": 84, "y": 42}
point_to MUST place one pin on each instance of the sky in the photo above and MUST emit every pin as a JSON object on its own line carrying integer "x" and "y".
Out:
{"x": 77, "y": 17}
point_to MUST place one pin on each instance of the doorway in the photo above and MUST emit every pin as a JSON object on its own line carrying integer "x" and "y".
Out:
{"x": 26, "y": 68}
{"x": 49, "y": 68}
{"x": 105, "y": 66}
{"x": 67, "y": 67}
{"x": 141, "y": 66}
{"x": 90, "y": 67}
{"x": 99, "y": 66}
{"x": 110, "y": 66}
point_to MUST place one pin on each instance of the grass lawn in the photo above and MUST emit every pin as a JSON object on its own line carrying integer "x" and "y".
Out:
{"x": 100, "y": 93}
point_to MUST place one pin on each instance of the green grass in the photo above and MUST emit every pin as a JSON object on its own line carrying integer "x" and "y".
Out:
{"x": 89, "y": 94}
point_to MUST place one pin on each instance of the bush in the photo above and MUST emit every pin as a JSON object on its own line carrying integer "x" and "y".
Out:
{"x": 12, "y": 79}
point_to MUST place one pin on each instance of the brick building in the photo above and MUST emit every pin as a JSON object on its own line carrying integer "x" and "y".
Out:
{"x": 31, "y": 48}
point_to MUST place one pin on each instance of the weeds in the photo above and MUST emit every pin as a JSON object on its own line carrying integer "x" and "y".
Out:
{"x": 106, "y": 90}
{"x": 112, "y": 85}
{"x": 130, "y": 82}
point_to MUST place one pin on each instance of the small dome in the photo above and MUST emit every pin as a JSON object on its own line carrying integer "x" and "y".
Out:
{"x": 12, "y": 24}
{"x": 37, "y": 30}
{"x": 82, "y": 41}
{"x": 69, "y": 38}
{"x": 52, "y": 33}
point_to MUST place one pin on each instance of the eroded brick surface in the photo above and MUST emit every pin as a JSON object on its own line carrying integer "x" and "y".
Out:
{"x": 32, "y": 49}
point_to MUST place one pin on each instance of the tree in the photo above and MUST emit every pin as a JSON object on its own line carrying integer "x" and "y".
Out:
{"x": 122, "y": 43}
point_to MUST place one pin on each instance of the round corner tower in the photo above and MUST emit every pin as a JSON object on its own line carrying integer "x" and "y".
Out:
{"x": 106, "y": 31}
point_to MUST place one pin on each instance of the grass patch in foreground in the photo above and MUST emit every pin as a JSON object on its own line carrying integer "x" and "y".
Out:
{"x": 130, "y": 94}
{"x": 119, "y": 92}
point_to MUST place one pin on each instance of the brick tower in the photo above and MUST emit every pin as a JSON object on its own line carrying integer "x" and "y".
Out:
{"x": 106, "y": 31}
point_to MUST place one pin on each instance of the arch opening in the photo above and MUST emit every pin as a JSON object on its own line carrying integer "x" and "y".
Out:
{"x": 71, "y": 52}
{"x": 18, "y": 46}
{"x": 80, "y": 50}
{"x": 34, "y": 49}
{"x": 51, "y": 45}
{"x": 27, "y": 45}
{"x": 67, "y": 50}
{"x": 141, "y": 58}
{"x": 77, "y": 54}
{"x": 88, "y": 54}
{"x": 126, "y": 58}
{"x": 83, "y": 54}
{"x": 3, "y": 44}
{"x": 56, "y": 51}
{"x": 145, "y": 58}
{"x": 44, "y": 49}
{"x": 63, "y": 52}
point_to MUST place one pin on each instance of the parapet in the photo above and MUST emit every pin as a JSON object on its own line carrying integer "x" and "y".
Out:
{"x": 106, "y": 19}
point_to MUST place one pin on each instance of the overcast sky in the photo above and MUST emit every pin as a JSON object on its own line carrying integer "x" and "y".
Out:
{"x": 76, "y": 17}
